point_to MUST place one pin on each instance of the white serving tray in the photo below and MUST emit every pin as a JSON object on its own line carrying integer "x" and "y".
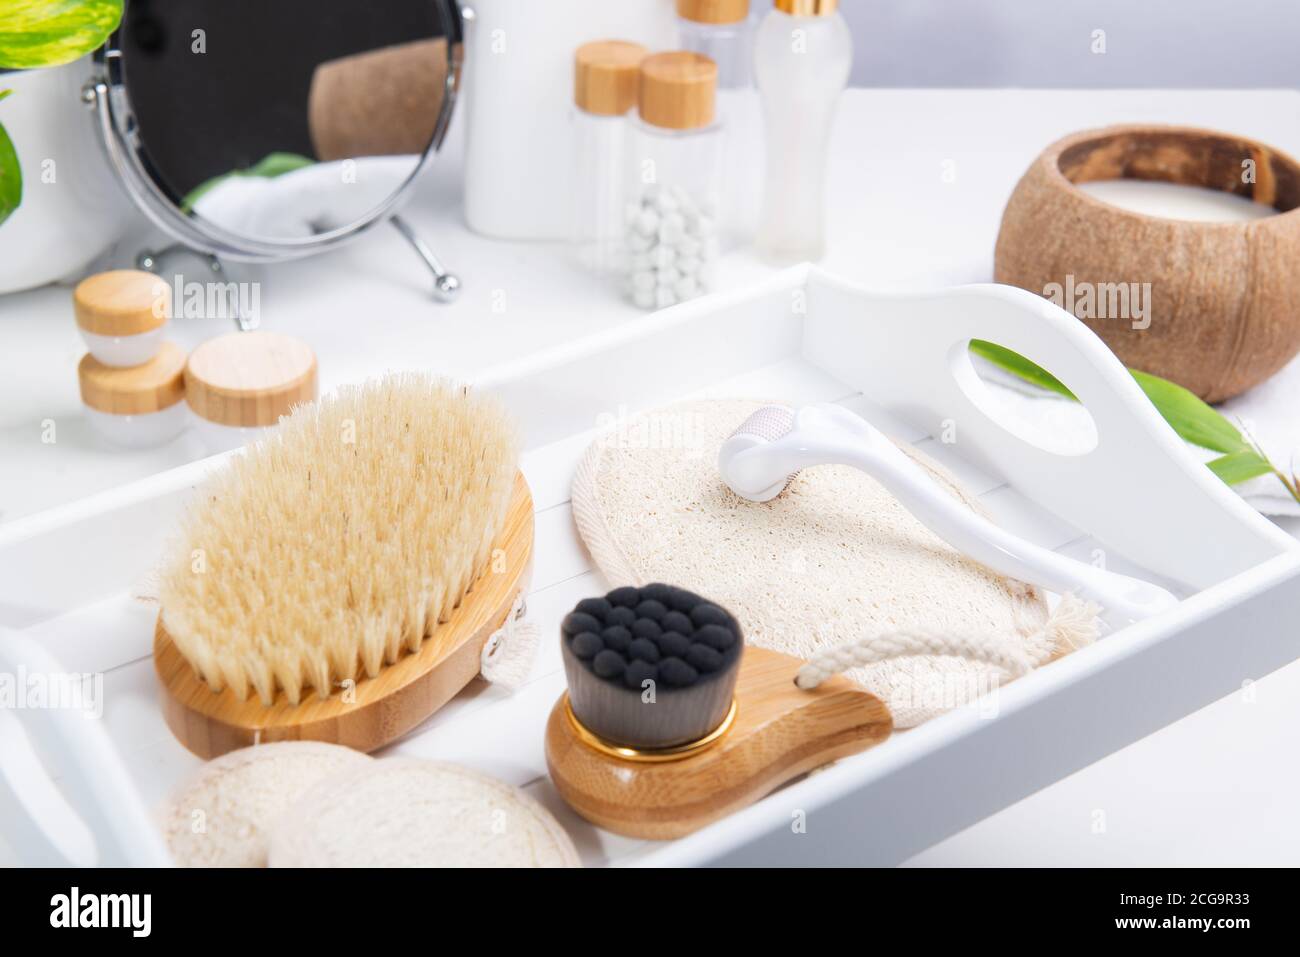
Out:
{"x": 1139, "y": 499}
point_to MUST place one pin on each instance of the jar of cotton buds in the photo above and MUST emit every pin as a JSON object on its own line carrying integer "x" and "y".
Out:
{"x": 675, "y": 181}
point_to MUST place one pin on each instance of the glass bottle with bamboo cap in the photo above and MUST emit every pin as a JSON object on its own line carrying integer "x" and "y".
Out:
{"x": 720, "y": 30}
{"x": 723, "y": 31}
{"x": 605, "y": 80}
{"x": 675, "y": 169}
{"x": 802, "y": 56}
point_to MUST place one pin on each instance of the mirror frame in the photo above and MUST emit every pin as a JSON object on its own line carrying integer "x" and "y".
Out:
{"x": 106, "y": 93}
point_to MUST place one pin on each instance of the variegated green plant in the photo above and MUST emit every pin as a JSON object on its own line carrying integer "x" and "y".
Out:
{"x": 37, "y": 33}
{"x": 1196, "y": 422}
{"x": 11, "y": 174}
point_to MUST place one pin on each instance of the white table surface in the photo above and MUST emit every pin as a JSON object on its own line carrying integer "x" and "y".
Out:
{"x": 918, "y": 180}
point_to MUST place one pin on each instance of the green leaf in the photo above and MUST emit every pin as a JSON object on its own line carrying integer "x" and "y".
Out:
{"x": 270, "y": 165}
{"x": 1240, "y": 466}
{"x": 37, "y": 33}
{"x": 275, "y": 164}
{"x": 11, "y": 174}
{"x": 1017, "y": 364}
{"x": 1191, "y": 418}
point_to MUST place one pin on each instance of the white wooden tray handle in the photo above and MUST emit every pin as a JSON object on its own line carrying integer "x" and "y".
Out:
{"x": 1139, "y": 491}
{"x": 97, "y": 816}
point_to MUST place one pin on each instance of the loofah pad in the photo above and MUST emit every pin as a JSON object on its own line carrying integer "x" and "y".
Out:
{"x": 404, "y": 812}
{"x": 830, "y": 560}
{"x": 222, "y": 816}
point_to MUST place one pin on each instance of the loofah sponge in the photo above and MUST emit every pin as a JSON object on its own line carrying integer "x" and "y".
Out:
{"x": 833, "y": 559}
{"x": 402, "y": 812}
{"x": 339, "y": 542}
{"x": 222, "y": 816}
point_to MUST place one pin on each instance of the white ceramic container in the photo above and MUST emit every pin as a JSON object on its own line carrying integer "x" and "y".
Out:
{"x": 73, "y": 207}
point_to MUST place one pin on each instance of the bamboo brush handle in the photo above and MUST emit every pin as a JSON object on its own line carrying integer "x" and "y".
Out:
{"x": 778, "y": 733}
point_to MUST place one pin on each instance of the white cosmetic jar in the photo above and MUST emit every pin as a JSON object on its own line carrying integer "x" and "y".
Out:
{"x": 137, "y": 406}
{"x": 239, "y": 385}
{"x": 122, "y": 315}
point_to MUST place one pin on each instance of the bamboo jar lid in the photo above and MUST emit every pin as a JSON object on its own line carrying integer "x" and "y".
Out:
{"x": 249, "y": 379}
{"x": 677, "y": 90}
{"x": 122, "y": 302}
{"x": 713, "y": 11}
{"x": 808, "y": 8}
{"x": 135, "y": 390}
{"x": 606, "y": 76}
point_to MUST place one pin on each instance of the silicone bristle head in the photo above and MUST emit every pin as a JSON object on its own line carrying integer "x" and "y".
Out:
{"x": 769, "y": 423}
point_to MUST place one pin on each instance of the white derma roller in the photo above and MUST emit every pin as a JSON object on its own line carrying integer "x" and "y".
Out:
{"x": 759, "y": 459}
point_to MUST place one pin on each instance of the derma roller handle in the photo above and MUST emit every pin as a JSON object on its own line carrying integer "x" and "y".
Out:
{"x": 776, "y": 442}
{"x": 1122, "y": 597}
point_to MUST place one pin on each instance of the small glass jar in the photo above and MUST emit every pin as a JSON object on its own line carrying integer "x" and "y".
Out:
{"x": 239, "y": 385}
{"x": 720, "y": 30}
{"x": 137, "y": 406}
{"x": 122, "y": 315}
{"x": 723, "y": 30}
{"x": 605, "y": 79}
{"x": 675, "y": 175}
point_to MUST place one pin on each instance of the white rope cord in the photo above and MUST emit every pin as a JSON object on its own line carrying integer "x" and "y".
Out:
{"x": 509, "y": 653}
{"x": 902, "y": 644}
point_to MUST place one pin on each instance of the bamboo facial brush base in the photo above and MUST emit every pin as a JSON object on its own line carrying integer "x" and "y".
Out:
{"x": 778, "y": 733}
{"x": 376, "y": 710}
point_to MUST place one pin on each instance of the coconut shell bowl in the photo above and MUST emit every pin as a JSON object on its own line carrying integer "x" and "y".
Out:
{"x": 1224, "y": 297}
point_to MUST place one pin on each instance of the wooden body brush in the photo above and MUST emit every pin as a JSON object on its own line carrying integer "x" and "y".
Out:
{"x": 669, "y": 723}
{"x": 338, "y": 581}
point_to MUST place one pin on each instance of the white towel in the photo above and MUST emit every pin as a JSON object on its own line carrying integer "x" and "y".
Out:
{"x": 306, "y": 201}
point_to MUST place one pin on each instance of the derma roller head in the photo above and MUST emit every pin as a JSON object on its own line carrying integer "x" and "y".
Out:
{"x": 757, "y": 477}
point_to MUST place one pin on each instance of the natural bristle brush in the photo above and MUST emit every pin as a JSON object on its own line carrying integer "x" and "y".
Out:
{"x": 338, "y": 580}
{"x": 761, "y": 457}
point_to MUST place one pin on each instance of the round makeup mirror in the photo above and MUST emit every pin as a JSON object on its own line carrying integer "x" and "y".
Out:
{"x": 262, "y": 130}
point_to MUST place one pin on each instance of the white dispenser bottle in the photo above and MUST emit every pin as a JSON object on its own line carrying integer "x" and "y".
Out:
{"x": 802, "y": 56}
{"x": 719, "y": 29}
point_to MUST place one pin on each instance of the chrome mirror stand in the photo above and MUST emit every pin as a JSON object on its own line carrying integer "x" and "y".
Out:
{"x": 154, "y": 261}
{"x": 446, "y": 285}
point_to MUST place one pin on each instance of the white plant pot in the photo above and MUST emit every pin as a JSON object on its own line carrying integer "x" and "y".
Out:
{"x": 73, "y": 207}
